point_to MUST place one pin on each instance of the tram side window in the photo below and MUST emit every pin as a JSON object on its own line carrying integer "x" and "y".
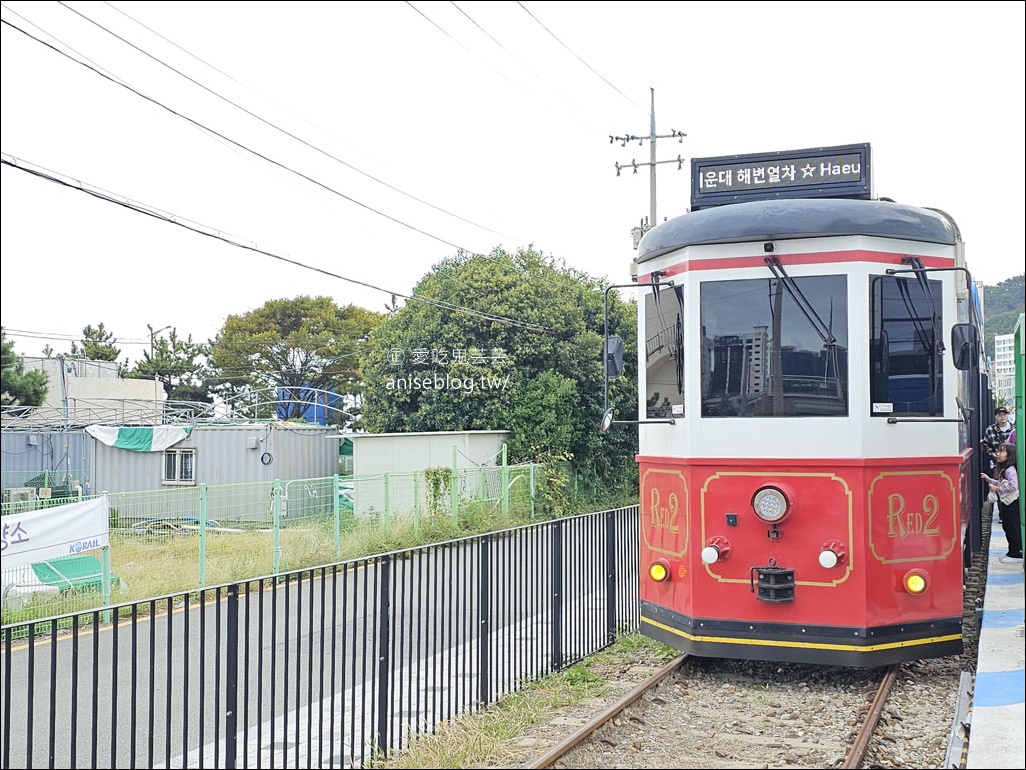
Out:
{"x": 664, "y": 352}
{"x": 775, "y": 350}
{"x": 906, "y": 347}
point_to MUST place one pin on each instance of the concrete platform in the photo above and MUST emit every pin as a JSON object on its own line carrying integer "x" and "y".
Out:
{"x": 997, "y": 720}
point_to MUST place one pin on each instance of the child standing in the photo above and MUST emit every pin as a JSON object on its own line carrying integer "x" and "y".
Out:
{"x": 1006, "y": 484}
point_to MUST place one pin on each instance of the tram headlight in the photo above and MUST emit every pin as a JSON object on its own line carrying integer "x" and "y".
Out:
{"x": 659, "y": 570}
{"x": 710, "y": 554}
{"x": 832, "y": 553}
{"x": 770, "y": 504}
{"x": 716, "y": 549}
{"x": 915, "y": 582}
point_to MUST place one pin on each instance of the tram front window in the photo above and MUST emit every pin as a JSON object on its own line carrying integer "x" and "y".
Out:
{"x": 906, "y": 347}
{"x": 775, "y": 347}
{"x": 664, "y": 353}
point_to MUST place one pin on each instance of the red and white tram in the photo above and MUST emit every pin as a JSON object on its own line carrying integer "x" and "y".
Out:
{"x": 808, "y": 370}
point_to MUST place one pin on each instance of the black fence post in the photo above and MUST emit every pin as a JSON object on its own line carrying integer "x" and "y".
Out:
{"x": 384, "y": 660}
{"x": 557, "y": 595}
{"x": 231, "y": 687}
{"x": 611, "y": 575}
{"x": 484, "y": 636}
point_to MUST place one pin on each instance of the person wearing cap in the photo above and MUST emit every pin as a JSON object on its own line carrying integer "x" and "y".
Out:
{"x": 995, "y": 435}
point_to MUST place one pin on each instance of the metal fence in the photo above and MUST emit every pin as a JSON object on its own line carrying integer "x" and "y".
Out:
{"x": 34, "y": 489}
{"x": 324, "y": 667}
{"x": 182, "y": 538}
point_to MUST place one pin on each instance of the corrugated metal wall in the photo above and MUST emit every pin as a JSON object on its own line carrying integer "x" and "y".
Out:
{"x": 26, "y": 454}
{"x": 226, "y": 454}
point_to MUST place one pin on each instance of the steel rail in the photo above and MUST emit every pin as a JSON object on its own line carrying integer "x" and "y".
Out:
{"x": 857, "y": 753}
{"x": 561, "y": 749}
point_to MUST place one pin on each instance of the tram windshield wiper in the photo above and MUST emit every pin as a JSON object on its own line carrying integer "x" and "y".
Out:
{"x": 919, "y": 269}
{"x": 773, "y": 263}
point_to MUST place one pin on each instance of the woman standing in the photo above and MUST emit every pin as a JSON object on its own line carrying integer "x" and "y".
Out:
{"x": 1006, "y": 484}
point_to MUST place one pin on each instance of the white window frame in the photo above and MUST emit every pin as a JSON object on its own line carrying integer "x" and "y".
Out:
{"x": 179, "y": 454}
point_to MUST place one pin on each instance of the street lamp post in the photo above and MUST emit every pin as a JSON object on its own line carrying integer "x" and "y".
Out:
{"x": 153, "y": 335}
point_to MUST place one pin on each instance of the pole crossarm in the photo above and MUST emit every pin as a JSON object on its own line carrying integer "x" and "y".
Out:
{"x": 623, "y": 140}
{"x": 635, "y": 165}
{"x": 652, "y": 163}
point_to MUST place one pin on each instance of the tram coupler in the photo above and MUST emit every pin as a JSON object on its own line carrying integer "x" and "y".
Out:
{"x": 775, "y": 584}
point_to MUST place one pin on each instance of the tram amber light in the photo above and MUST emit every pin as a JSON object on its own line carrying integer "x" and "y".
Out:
{"x": 659, "y": 571}
{"x": 770, "y": 504}
{"x": 915, "y": 583}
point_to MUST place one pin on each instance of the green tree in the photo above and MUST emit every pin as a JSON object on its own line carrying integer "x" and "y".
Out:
{"x": 19, "y": 388}
{"x": 173, "y": 362}
{"x": 97, "y": 345}
{"x": 538, "y": 375}
{"x": 296, "y": 346}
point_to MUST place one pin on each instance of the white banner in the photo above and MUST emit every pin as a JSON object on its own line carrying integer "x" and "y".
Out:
{"x": 63, "y": 530}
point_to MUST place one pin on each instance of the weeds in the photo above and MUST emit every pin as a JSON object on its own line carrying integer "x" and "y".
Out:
{"x": 483, "y": 739}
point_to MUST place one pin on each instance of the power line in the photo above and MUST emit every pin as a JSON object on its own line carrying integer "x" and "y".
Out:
{"x": 124, "y": 202}
{"x": 268, "y": 123}
{"x": 46, "y": 336}
{"x": 118, "y": 342}
{"x": 465, "y": 48}
{"x": 168, "y": 41}
{"x": 176, "y": 220}
{"x": 247, "y": 149}
{"x": 523, "y": 64}
{"x": 241, "y": 146}
{"x": 582, "y": 61}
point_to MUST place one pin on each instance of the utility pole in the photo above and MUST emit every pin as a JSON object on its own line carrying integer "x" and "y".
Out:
{"x": 637, "y": 232}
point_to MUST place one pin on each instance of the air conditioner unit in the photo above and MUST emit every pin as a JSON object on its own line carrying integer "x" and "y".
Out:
{"x": 19, "y": 494}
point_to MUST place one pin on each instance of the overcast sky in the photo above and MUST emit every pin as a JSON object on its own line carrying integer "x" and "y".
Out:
{"x": 369, "y": 141}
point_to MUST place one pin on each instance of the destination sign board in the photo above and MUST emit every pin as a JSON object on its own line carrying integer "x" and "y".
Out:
{"x": 821, "y": 172}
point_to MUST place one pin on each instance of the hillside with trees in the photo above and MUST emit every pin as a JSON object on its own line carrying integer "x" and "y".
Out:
{"x": 1002, "y": 306}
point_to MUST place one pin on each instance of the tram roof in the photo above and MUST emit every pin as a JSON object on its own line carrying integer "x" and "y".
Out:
{"x": 785, "y": 218}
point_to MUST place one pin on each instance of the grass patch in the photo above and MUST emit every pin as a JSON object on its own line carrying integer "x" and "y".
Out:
{"x": 162, "y": 564}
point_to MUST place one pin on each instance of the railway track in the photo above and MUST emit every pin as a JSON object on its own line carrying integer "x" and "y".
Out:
{"x": 926, "y": 700}
{"x": 921, "y": 722}
{"x": 584, "y": 733}
{"x": 653, "y": 699}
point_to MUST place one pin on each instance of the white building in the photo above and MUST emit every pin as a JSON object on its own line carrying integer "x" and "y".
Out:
{"x": 388, "y": 469}
{"x": 81, "y": 392}
{"x": 1004, "y": 369}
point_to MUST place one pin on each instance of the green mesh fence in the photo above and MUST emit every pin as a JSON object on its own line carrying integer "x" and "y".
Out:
{"x": 43, "y": 487}
{"x": 183, "y": 538}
